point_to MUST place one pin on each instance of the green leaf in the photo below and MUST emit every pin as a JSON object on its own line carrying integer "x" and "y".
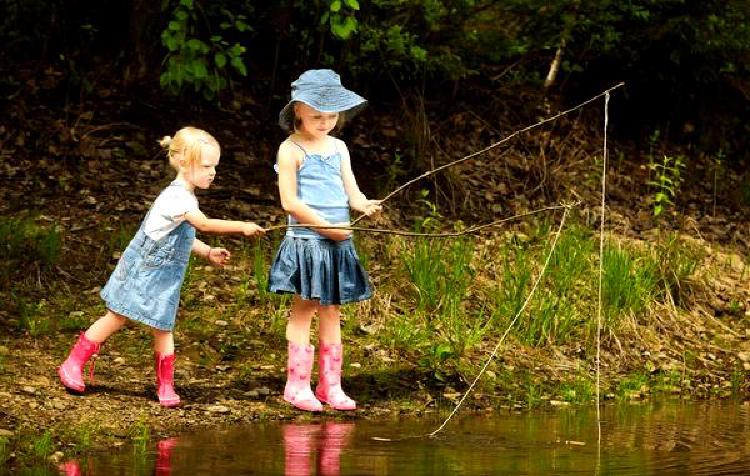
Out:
{"x": 335, "y": 6}
{"x": 353, "y": 4}
{"x": 239, "y": 65}
{"x": 169, "y": 41}
{"x": 199, "y": 69}
{"x": 187, "y": 3}
{"x": 220, "y": 59}
{"x": 195, "y": 44}
{"x": 339, "y": 30}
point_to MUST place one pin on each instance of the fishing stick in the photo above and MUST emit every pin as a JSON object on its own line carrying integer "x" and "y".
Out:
{"x": 492, "y": 146}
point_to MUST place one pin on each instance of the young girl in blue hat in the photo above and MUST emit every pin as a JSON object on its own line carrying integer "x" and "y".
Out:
{"x": 145, "y": 285}
{"x": 319, "y": 265}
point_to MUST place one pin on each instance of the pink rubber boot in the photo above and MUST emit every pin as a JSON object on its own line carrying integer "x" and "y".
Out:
{"x": 71, "y": 371}
{"x": 329, "y": 385}
{"x": 299, "y": 366}
{"x": 164, "y": 365}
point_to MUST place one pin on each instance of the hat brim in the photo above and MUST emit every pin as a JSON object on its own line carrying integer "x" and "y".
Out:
{"x": 335, "y": 99}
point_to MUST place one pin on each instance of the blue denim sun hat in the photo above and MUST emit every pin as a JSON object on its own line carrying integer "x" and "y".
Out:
{"x": 322, "y": 90}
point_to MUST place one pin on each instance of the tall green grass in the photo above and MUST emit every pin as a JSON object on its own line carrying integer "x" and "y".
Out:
{"x": 456, "y": 298}
{"x": 24, "y": 242}
{"x": 629, "y": 282}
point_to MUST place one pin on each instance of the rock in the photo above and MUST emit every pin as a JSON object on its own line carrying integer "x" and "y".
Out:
{"x": 6, "y": 433}
{"x": 264, "y": 391}
{"x": 367, "y": 330}
{"x": 558, "y": 403}
{"x": 252, "y": 394}
{"x": 29, "y": 389}
{"x": 218, "y": 409}
{"x": 59, "y": 405}
{"x": 221, "y": 323}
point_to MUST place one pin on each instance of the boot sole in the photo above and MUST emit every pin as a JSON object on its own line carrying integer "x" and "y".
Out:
{"x": 295, "y": 405}
{"x": 340, "y": 408}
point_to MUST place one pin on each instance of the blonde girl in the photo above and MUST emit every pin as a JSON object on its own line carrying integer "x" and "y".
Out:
{"x": 145, "y": 285}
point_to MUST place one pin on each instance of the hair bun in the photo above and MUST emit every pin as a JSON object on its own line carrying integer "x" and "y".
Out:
{"x": 165, "y": 141}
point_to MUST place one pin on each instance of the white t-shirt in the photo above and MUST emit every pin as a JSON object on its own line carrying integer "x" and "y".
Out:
{"x": 168, "y": 211}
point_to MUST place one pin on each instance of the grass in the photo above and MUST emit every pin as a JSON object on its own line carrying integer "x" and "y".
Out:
{"x": 43, "y": 446}
{"x": 25, "y": 241}
{"x": 633, "y": 386}
{"x": 451, "y": 296}
{"x": 4, "y": 450}
{"x": 140, "y": 435}
{"x": 629, "y": 281}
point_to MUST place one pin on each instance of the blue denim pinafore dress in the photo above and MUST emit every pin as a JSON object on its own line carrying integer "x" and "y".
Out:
{"x": 307, "y": 263}
{"x": 145, "y": 285}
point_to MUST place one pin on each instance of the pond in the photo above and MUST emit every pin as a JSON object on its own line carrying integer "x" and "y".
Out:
{"x": 664, "y": 438}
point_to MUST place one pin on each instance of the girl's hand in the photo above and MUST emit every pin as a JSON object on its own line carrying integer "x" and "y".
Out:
{"x": 368, "y": 207}
{"x": 218, "y": 256}
{"x": 251, "y": 229}
{"x": 335, "y": 234}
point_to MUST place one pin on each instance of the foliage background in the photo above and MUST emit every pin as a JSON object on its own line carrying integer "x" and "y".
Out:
{"x": 685, "y": 63}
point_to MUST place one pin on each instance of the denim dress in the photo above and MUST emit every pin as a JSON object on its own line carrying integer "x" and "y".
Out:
{"x": 309, "y": 264}
{"x": 145, "y": 285}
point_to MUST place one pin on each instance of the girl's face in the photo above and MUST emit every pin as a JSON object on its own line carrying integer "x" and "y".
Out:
{"x": 202, "y": 172}
{"x": 313, "y": 122}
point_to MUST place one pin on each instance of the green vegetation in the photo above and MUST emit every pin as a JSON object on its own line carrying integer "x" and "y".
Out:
{"x": 44, "y": 445}
{"x": 197, "y": 56}
{"x": 27, "y": 243}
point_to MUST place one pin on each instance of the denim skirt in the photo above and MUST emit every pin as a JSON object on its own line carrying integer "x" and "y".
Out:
{"x": 324, "y": 270}
{"x": 145, "y": 285}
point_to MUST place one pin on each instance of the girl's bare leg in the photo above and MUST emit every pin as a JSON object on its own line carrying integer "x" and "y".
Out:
{"x": 300, "y": 318}
{"x": 163, "y": 341}
{"x": 105, "y": 326}
{"x": 330, "y": 324}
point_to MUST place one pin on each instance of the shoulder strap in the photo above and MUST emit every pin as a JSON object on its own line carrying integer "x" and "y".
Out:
{"x": 335, "y": 145}
{"x": 300, "y": 147}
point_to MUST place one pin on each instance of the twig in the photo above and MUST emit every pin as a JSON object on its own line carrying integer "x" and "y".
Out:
{"x": 467, "y": 231}
{"x": 492, "y": 146}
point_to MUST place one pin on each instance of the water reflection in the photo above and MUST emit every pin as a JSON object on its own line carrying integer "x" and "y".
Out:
{"x": 70, "y": 468}
{"x": 162, "y": 464}
{"x": 164, "y": 456}
{"x": 655, "y": 438}
{"x": 314, "y": 446}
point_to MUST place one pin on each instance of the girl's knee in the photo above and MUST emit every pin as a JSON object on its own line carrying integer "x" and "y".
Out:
{"x": 158, "y": 333}
{"x": 304, "y": 309}
{"x": 113, "y": 316}
{"x": 330, "y": 312}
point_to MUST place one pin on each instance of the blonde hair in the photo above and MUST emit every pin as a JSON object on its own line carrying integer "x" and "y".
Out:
{"x": 186, "y": 145}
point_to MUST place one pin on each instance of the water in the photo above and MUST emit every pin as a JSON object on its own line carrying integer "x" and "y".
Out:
{"x": 664, "y": 438}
